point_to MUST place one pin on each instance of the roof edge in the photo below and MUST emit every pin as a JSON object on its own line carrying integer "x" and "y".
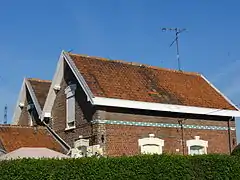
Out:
{"x": 39, "y": 80}
{"x": 219, "y": 92}
{"x": 34, "y": 98}
{"x": 57, "y": 77}
{"x": 136, "y": 64}
{"x": 101, "y": 101}
{"x": 79, "y": 77}
{"x": 21, "y": 99}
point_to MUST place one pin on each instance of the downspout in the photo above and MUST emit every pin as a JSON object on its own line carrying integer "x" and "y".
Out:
{"x": 182, "y": 136}
{"x": 229, "y": 135}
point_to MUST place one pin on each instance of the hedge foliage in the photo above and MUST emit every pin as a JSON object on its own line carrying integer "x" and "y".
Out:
{"x": 137, "y": 167}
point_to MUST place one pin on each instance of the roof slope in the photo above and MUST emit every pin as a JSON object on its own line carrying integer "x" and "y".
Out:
{"x": 129, "y": 81}
{"x": 14, "y": 137}
{"x": 40, "y": 88}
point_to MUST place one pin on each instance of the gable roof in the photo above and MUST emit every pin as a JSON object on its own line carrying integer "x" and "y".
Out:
{"x": 38, "y": 90}
{"x": 14, "y": 137}
{"x": 128, "y": 81}
{"x": 131, "y": 85}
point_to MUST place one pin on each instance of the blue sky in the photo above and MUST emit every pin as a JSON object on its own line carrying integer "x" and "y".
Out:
{"x": 33, "y": 33}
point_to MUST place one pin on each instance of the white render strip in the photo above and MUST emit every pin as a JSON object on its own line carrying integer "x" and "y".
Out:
{"x": 163, "y": 107}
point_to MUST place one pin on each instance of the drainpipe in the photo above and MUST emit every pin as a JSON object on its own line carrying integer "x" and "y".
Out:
{"x": 229, "y": 135}
{"x": 182, "y": 136}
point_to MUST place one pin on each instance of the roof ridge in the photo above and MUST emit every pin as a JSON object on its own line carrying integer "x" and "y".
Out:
{"x": 137, "y": 64}
{"x": 39, "y": 80}
{"x": 20, "y": 126}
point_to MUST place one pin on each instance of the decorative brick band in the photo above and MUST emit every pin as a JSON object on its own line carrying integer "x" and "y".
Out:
{"x": 132, "y": 123}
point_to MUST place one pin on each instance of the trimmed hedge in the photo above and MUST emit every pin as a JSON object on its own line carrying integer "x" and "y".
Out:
{"x": 137, "y": 167}
{"x": 236, "y": 151}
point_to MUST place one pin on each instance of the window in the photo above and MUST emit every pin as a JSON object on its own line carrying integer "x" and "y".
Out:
{"x": 195, "y": 150}
{"x": 151, "y": 145}
{"x": 197, "y": 146}
{"x": 70, "y": 106}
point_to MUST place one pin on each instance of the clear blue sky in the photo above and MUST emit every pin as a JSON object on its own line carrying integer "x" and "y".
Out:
{"x": 33, "y": 33}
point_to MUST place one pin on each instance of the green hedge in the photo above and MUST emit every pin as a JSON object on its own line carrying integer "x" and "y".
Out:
{"x": 138, "y": 167}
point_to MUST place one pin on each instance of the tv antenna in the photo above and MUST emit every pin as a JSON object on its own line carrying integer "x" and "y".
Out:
{"x": 5, "y": 114}
{"x": 177, "y": 32}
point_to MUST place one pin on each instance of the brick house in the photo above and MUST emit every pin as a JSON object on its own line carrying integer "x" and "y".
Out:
{"x": 130, "y": 108}
{"x": 31, "y": 100}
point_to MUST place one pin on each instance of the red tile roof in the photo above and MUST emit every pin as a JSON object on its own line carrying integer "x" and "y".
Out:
{"x": 131, "y": 81}
{"x": 40, "y": 88}
{"x": 13, "y": 137}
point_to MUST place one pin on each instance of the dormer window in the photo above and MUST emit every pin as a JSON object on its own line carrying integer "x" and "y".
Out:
{"x": 70, "y": 106}
{"x": 197, "y": 146}
{"x": 151, "y": 145}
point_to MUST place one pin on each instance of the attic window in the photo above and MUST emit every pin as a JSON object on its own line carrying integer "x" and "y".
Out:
{"x": 151, "y": 145}
{"x": 70, "y": 106}
{"x": 197, "y": 146}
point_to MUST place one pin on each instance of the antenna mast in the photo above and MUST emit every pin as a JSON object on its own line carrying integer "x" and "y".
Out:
{"x": 5, "y": 114}
{"x": 177, "y": 32}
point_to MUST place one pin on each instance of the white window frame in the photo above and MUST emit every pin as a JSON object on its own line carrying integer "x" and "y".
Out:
{"x": 151, "y": 141}
{"x": 197, "y": 142}
{"x": 70, "y": 106}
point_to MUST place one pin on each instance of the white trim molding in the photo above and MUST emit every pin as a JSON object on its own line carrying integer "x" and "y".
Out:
{"x": 54, "y": 88}
{"x": 34, "y": 98}
{"x": 20, "y": 104}
{"x": 163, "y": 107}
{"x": 197, "y": 142}
{"x": 79, "y": 77}
{"x": 151, "y": 145}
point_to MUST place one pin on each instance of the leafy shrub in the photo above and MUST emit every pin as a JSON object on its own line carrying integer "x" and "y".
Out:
{"x": 236, "y": 151}
{"x": 138, "y": 167}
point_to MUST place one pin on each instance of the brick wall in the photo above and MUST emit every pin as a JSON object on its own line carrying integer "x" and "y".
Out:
{"x": 84, "y": 113}
{"x": 123, "y": 139}
{"x": 25, "y": 118}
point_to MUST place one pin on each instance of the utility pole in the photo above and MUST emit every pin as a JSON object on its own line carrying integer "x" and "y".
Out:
{"x": 177, "y": 32}
{"x": 5, "y": 114}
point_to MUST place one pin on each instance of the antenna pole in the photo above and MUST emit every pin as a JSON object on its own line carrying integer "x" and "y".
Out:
{"x": 5, "y": 114}
{"x": 178, "y": 56}
{"x": 177, "y": 32}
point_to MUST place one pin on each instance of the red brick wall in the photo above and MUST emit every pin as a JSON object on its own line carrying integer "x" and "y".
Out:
{"x": 123, "y": 139}
{"x": 84, "y": 112}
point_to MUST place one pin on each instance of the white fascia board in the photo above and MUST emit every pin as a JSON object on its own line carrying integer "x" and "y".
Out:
{"x": 100, "y": 101}
{"x": 34, "y": 98}
{"x": 228, "y": 100}
{"x": 79, "y": 77}
{"x": 57, "y": 78}
{"x": 21, "y": 99}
